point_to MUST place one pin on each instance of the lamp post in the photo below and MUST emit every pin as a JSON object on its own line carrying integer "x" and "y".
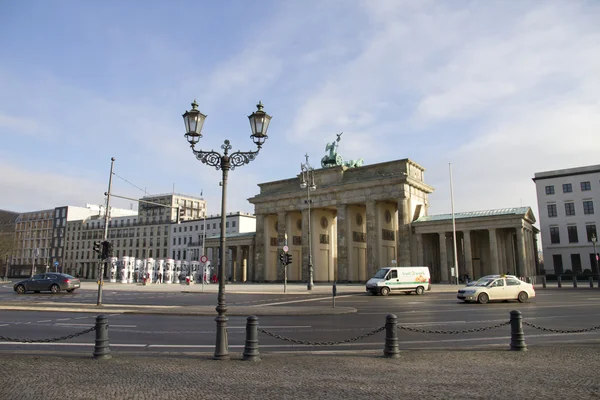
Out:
{"x": 594, "y": 240}
{"x": 194, "y": 120}
{"x": 308, "y": 182}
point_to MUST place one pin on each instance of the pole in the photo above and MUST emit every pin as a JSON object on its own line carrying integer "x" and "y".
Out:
{"x": 310, "y": 264}
{"x": 221, "y": 347}
{"x": 453, "y": 225}
{"x": 105, "y": 236}
{"x": 595, "y": 254}
{"x": 203, "y": 239}
{"x": 285, "y": 266}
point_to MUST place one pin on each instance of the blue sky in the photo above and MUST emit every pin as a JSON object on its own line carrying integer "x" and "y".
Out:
{"x": 499, "y": 89}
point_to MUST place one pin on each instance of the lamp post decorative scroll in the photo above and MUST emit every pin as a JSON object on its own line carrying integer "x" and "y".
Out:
{"x": 194, "y": 121}
{"x": 308, "y": 182}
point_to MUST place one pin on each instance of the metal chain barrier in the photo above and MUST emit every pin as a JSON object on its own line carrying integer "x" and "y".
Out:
{"x": 93, "y": 328}
{"x": 455, "y": 332}
{"x": 330, "y": 343}
{"x": 561, "y": 330}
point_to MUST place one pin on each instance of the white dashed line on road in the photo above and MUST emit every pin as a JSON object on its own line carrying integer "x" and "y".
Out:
{"x": 46, "y": 320}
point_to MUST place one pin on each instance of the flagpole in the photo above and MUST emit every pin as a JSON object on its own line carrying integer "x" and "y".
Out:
{"x": 453, "y": 226}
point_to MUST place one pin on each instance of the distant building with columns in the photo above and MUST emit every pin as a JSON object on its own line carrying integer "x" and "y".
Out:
{"x": 374, "y": 216}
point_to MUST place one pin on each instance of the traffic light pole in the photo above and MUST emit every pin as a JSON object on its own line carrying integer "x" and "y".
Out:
{"x": 105, "y": 236}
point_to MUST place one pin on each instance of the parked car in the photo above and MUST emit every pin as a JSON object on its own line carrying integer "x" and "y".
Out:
{"x": 51, "y": 282}
{"x": 497, "y": 288}
{"x": 474, "y": 282}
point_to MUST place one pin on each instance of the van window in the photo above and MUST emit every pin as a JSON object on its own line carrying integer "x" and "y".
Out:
{"x": 393, "y": 274}
{"x": 381, "y": 273}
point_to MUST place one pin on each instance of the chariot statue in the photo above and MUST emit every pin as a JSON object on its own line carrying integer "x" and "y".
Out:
{"x": 334, "y": 159}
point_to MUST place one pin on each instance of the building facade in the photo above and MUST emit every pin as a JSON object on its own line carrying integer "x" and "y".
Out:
{"x": 566, "y": 200}
{"x": 365, "y": 218}
{"x": 142, "y": 234}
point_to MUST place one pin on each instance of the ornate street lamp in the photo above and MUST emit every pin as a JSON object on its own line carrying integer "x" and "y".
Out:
{"x": 194, "y": 120}
{"x": 308, "y": 182}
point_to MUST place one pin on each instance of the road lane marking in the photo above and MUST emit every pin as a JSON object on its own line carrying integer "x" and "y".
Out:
{"x": 271, "y": 327}
{"x": 82, "y": 317}
{"x": 46, "y": 320}
{"x": 110, "y": 325}
{"x": 302, "y": 301}
{"x": 63, "y": 319}
{"x": 4, "y": 325}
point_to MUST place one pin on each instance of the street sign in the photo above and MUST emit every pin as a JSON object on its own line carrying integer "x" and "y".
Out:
{"x": 56, "y": 263}
{"x": 203, "y": 259}
{"x": 285, "y": 248}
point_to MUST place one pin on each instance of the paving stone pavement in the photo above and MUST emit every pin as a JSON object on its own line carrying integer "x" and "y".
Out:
{"x": 565, "y": 372}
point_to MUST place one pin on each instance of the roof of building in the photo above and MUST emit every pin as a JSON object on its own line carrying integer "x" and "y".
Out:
{"x": 476, "y": 214}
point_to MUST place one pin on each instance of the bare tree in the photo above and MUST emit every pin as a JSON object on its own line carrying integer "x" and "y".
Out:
{"x": 7, "y": 248}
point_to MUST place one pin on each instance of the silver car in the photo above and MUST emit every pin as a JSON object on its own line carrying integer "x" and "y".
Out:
{"x": 50, "y": 282}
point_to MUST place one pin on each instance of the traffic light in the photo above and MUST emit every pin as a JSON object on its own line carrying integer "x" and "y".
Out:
{"x": 107, "y": 249}
{"x": 282, "y": 258}
{"x": 288, "y": 258}
{"x": 97, "y": 248}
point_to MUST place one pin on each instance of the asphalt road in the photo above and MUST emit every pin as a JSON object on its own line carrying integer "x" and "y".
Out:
{"x": 560, "y": 310}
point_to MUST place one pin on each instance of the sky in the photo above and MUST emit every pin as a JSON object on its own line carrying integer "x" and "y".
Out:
{"x": 499, "y": 90}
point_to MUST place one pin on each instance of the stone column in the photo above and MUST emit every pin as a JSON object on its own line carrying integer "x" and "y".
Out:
{"x": 420, "y": 255}
{"x": 443, "y": 258}
{"x": 343, "y": 242}
{"x": 237, "y": 271}
{"x": 468, "y": 253}
{"x": 495, "y": 268}
{"x": 521, "y": 261}
{"x": 259, "y": 269}
{"x": 304, "y": 264}
{"x": 281, "y": 229}
{"x": 372, "y": 239}
{"x": 250, "y": 264}
{"x": 403, "y": 240}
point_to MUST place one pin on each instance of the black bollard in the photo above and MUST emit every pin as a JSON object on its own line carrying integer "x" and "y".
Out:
{"x": 517, "y": 337}
{"x": 559, "y": 281}
{"x": 544, "y": 281}
{"x": 591, "y": 282}
{"x": 574, "y": 280}
{"x": 102, "y": 346}
{"x": 391, "y": 337}
{"x": 251, "y": 347}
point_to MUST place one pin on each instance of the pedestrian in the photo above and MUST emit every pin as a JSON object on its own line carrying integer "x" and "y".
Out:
{"x": 160, "y": 277}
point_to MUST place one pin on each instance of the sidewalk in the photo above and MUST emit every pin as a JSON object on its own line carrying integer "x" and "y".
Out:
{"x": 495, "y": 374}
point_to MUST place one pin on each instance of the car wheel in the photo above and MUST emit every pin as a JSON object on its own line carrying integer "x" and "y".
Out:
{"x": 20, "y": 289}
{"x": 420, "y": 290}
{"x": 55, "y": 288}
{"x": 523, "y": 296}
{"x": 384, "y": 291}
{"x": 483, "y": 298}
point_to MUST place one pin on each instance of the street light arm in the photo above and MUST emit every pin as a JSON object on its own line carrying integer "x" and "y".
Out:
{"x": 233, "y": 160}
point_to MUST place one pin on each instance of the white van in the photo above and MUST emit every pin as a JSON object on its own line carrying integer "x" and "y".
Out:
{"x": 401, "y": 279}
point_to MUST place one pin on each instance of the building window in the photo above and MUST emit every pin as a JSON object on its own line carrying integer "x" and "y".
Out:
{"x": 174, "y": 241}
{"x": 226, "y": 224}
{"x": 233, "y": 224}
{"x": 572, "y": 232}
{"x": 585, "y": 186}
{"x": 180, "y": 240}
{"x": 558, "y": 265}
{"x": 576, "y": 263}
{"x": 554, "y": 235}
{"x": 551, "y": 210}
{"x": 590, "y": 230}
{"x": 588, "y": 207}
{"x": 567, "y": 188}
{"x": 570, "y": 208}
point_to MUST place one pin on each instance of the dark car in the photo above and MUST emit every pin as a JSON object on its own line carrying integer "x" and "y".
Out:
{"x": 51, "y": 282}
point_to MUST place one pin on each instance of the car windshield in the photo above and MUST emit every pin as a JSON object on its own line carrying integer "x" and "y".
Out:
{"x": 381, "y": 273}
{"x": 484, "y": 281}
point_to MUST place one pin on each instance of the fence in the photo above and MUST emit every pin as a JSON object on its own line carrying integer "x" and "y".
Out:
{"x": 391, "y": 343}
